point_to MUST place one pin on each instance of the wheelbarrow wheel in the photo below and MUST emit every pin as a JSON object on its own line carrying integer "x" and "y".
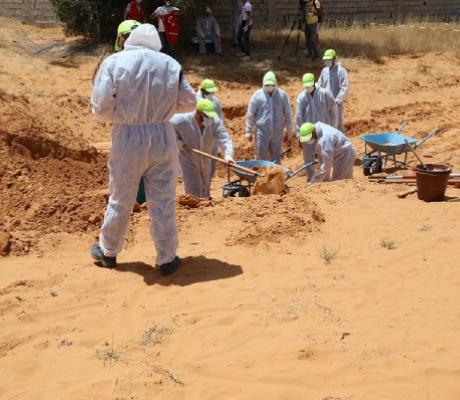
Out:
{"x": 244, "y": 192}
{"x": 367, "y": 171}
{"x": 377, "y": 166}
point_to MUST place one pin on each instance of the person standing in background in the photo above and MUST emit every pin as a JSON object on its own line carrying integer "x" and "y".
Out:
{"x": 245, "y": 29}
{"x": 334, "y": 78}
{"x": 168, "y": 27}
{"x": 135, "y": 10}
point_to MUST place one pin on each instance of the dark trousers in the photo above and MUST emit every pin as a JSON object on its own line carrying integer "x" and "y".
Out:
{"x": 243, "y": 39}
{"x": 167, "y": 48}
{"x": 311, "y": 30}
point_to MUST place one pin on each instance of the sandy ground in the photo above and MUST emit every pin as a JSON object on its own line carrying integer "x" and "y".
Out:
{"x": 336, "y": 291}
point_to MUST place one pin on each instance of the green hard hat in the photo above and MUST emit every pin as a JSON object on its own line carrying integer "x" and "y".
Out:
{"x": 329, "y": 54}
{"x": 207, "y": 107}
{"x": 306, "y": 132}
{"x": 269, "y": 79}
{"x": 308, "y": 80}
{"x": 126, "y": 26}
{"x": 209, "y": 86}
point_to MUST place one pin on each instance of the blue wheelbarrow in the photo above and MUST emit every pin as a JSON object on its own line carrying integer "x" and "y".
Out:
{"x": 383, "y": 146}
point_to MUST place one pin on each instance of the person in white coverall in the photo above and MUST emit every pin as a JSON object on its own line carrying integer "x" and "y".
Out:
{"x": 269, "y": 114}
{"x": 335, "y": 151}
{"x": 207, "y": 90}
{"x": 314, "y": 104}
{"x": 334, "y": 78}
{"x": 139, "y": 90}
{"x": 200, "y": 130}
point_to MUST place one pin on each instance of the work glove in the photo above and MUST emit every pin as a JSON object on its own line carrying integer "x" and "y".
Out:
{"x": 248, "y": 136}
{"x": 229, "y": 160}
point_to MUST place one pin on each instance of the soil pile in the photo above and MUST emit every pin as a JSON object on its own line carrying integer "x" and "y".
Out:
{"x": 46, "y": 185}
{"x": 272, "y": 182}
{"x": 190, "y": 201}
{"x": 272, "y": 218}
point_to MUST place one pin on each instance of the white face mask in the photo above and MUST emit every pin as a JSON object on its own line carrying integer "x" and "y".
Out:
{"x": 310, "y": 89}
{"x": 269, "y": 89}
{"x": 209, "y": 96}
{"x": 207, "y": 122}
{"x": 328, "y": 63}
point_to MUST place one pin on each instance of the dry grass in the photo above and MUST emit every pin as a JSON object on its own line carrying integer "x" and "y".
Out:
{"x": 369, "y": 41}
{"x": 154, "y": 335}
{"x": 388, "y": 244}
{"x": 328, "y": 254}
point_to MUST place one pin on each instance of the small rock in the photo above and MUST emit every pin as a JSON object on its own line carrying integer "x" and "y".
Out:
{"x": 5, "y": 243}
{"x": 53, "y": 292}
{"x": 94, "y": 219}
{"x": 65, "y": 343}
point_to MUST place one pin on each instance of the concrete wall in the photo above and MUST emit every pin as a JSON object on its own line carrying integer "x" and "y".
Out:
{"x": 39, "y": 11}
{"x": 279, "y": 12}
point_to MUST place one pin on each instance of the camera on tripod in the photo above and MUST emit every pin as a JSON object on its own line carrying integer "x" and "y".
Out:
{"x": 302, "y": 14}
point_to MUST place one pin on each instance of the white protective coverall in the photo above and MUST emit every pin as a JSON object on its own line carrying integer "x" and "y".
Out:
{"x": 139, "y": 90}
{"x": 219, "y": 112}
{"x": 270, "y": 116}
{"x": 207, "y": 28}
{"x": 336, "y": 154}
{"x": 197, "y": 170}
{"x": 335, "y": 80}
{"x": 319, "y": 107}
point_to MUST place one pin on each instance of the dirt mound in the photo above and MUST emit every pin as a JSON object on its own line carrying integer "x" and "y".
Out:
{"x": 50, "y": 180}
{"x": 272, "y": 182}
{"x": 273, "y": 217}
{"x": 189, "y": 201}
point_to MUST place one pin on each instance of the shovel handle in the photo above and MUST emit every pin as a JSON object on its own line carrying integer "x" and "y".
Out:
{"x": 221, "y": 160}
{"x": 415, "y": 153}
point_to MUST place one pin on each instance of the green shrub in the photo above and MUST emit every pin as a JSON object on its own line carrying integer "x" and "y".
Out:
{"x": 92, "y": 18}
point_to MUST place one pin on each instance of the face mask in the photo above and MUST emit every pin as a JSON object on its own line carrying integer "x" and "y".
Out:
{"x": 328, "y": 63}
{"x": 207, "y": 122}
{"x": 167, "y": 4}
{"x": 310, "y": 89}
{"x": 209, "y": 96}
{"x": 269, "y": 89}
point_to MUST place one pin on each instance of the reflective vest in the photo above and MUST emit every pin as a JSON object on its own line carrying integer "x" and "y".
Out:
{"x": 136, "y": 11}
{"x": 312, "y": 16}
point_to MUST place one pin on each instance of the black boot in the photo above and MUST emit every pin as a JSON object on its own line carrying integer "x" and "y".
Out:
{"x": 98, "y": 255}
{"x": 169, "y": 268}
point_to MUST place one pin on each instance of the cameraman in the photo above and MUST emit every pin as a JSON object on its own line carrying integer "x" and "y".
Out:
{"x": 312, "y": 9}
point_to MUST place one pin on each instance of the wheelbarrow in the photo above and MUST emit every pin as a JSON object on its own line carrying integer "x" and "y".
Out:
{"x": 383, "y": 146}
{"x": 242, "y": 186}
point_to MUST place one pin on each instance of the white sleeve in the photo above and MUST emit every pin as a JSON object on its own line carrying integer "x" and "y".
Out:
{"x": 326, "y": 157}
{"x": 343, "y": 84}
{"x": 251, "y": 117}
{"x": 287, "y": 115}
{"x": 223, "y": 139}
{"x": 103, "y": 98}
{"x": 332, "y": 109}
{"x": 186, "y": 101}
{"x": 300, "y": 107}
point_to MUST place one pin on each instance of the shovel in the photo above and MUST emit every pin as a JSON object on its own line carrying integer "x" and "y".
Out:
{"x": 299, "y": 170}
{"x": 221, "y": 160}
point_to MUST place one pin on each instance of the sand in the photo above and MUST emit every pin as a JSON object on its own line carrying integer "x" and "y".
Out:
{"x": 333, "y": 291}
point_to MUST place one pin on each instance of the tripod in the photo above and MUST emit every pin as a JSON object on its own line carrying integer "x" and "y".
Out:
{"x": 300, "y": 22}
